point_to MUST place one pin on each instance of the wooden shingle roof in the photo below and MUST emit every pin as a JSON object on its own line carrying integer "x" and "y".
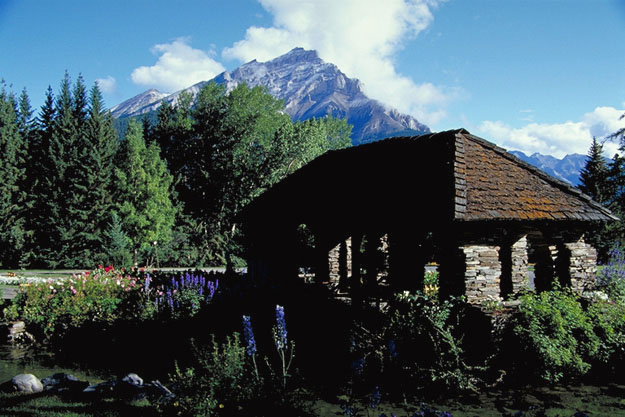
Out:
{"x": 453, "y": 176}
{"x": 494, "y": 184}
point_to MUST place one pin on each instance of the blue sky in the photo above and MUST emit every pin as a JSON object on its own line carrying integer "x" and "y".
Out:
{"x": 531, "y": 75}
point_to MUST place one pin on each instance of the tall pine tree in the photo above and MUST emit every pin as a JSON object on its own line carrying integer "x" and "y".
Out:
{"x": 40, "y": 168}
{"x": 593, "y": 177}
{"x": 12, "y": 183}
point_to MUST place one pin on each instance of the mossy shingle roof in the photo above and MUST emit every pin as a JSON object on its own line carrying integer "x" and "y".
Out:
{"x": 452, "y": 176}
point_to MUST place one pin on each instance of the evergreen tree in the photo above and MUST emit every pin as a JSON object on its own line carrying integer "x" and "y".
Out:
{"x": 65, "y": 201}
{"x": 595, "y": 182}
{"x": 143, "y": 197}
{"x": 593, "y": 176}
{"x": 93, "y": 183}
{"x": 117, "y": 244}
{"x": 12, "y": 183}
{"x": 40, "y": 168}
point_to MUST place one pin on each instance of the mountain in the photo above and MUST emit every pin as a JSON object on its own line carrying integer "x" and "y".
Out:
{"x": 139, "y": 104}
{"x": 566, "y": 169}
{"x": 310, "y": 87}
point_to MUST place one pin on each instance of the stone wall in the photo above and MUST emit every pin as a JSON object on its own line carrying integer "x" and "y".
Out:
{"x": 482, "y": 274}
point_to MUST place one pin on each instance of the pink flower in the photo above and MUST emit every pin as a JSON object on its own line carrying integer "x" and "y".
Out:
{"x": 108, "y": 268}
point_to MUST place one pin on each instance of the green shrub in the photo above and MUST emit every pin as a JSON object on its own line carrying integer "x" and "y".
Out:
{"x": 608, "y": 319}
{"x": 423, "y": 344}
{"x": 221, "y": 381}
{"x": 554, "y": 335}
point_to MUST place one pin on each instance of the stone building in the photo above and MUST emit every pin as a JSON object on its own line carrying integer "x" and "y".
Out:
{"x": 476, "y": 210}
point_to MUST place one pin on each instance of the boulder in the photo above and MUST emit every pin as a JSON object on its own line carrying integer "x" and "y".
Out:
{"x": 60, "y": 382}
{"x": 133, "y": 379}
{"x": 27, "y": 383}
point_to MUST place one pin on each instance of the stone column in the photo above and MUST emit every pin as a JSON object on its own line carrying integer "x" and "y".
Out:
{"x": 345, "y": 263}
{"x": 355, "y": 284}
{"x": 334, "y": 260}
{"x": 514, "y": 267}
{"x": 520, "y": 272}
{"x": 482, "y": 274}
{"x": 582, "y": 264}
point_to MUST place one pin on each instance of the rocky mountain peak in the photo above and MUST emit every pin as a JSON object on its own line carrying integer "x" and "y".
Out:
{"x": 310, "y": 87}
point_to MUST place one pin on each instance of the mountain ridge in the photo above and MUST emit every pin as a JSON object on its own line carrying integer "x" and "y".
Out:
{"x": 309, "y": 86}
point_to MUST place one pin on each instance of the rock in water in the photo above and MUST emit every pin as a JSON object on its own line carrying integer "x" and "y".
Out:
{"x": 27, "y": 383}
{"x": 133, "y": 379}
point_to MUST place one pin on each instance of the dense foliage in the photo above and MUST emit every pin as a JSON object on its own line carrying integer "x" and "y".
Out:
{"x": 226, "y": 149}
{"x": 167, "y": 193}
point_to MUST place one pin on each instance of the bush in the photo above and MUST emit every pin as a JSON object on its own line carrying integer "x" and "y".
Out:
{"x": 554, "y": 335}
{"x": 54, "y": 307}
{"x": 221, "y": 382}
{"x": 423, "y": 344}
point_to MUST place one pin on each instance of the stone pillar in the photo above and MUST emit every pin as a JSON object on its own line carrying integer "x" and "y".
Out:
{"x": 514, "y": 267}
{"x": 582, "y": 265}
{"x": 520, "y": 272}
{"x": 334, "y": 260}
{"x": 355, "y": 284}
{"x": 482, "y": 274}
{"x": 383, "y": 272}
{"x": 345, "y": 263}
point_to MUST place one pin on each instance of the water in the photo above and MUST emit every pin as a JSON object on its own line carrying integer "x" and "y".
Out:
{"x": 15, "y": 360}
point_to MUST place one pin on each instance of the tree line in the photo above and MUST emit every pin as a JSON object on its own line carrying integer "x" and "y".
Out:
{"x": 603, "y": 179}
{"x": 75, "y": 191}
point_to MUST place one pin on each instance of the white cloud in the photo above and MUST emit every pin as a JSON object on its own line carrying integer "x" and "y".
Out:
{"x": 361, "y": 37}
{"x": 107, "y": 85}
{"x": 558, "y": 139}
{"x": 178, "y": 66}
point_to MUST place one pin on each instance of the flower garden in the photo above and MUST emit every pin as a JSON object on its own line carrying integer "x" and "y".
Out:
{"x": 225, "y": 346}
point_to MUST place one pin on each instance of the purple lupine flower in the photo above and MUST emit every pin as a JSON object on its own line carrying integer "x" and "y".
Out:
{"x": 248, "y": 335}
{"x": 358, "y": 365}
{"x": 281, "y": 333}
{"x": 147, "y": 282}
{"x": 392, "y": 348}
{"x": 376, "y": 397}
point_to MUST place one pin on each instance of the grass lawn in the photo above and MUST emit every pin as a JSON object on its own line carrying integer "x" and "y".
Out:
{"x": 52, "y": 405}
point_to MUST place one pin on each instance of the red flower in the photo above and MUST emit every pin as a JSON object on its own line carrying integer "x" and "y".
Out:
{"x": 108, "y": 268}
